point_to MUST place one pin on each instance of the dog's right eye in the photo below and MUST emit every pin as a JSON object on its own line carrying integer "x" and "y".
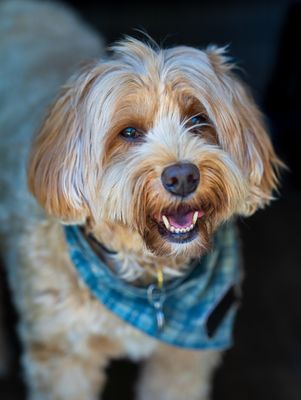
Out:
{"x": 131, "y": 134}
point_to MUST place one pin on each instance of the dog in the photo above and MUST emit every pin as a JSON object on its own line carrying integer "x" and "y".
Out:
{"x": 117, "y": 222}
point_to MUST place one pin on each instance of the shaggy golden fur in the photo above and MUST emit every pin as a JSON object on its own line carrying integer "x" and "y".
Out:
{"x": 186, "y": 105}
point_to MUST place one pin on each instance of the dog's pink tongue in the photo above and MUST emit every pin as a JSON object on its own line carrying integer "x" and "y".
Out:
{"x": 181, "y": 220}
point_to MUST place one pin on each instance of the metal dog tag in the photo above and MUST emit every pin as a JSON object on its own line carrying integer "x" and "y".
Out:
{"x": 156, "y": 297}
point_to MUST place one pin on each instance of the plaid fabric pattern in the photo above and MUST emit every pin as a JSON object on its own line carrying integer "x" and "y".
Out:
{"x": 186, "y": 303}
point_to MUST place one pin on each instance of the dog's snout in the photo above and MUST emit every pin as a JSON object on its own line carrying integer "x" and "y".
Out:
{"x": 181, "y": 179}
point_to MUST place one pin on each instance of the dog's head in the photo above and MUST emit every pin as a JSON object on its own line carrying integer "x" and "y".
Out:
{"x": 165, "y": 144}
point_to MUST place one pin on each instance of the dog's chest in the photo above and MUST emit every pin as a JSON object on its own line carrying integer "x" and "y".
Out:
{"x": 135, "y": 344}
{"x": 99, "y": 311}
{"x": 184, "y": 313}
{"x": 101, "y": 323}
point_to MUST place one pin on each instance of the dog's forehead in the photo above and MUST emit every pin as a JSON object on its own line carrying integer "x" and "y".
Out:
{"x": 161, "y": 87}
{"x": 152, "y": 80}
{"x": 139, "y": 86}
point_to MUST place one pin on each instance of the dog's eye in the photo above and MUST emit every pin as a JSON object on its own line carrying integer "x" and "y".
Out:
{"x": 131, "y": 134}
{"x": 198, "y": 119}
{"x": 196, "y": 122}
{"x": 202, "y": 126}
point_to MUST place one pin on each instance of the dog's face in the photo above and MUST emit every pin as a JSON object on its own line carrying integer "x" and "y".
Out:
{"x": 166, "y": 144}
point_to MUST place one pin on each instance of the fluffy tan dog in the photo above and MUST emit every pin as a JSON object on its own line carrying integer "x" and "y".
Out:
{"x": 150, "y": 151}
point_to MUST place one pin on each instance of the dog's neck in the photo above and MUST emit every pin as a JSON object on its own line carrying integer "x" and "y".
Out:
{"x": 127, "y": 255}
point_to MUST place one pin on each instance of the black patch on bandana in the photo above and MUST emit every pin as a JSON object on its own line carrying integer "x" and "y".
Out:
{"x": 218, "y": 314}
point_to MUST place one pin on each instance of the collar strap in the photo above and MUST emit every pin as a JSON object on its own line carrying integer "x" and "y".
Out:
{"x": 99, "y": 245}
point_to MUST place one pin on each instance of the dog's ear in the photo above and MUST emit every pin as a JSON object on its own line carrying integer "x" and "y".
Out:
{"x": 60, "y": 171}
{"x": 244, "y": 135}
{"x": 257, "y": 156}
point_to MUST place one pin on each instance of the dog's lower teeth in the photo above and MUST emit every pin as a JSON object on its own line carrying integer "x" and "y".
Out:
{"x": 172, "y": 229}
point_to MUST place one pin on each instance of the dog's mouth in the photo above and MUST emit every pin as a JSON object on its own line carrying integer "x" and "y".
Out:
{"x": 180, "y": 225}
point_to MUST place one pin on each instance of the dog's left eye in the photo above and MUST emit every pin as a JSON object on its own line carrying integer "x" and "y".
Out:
{"x": 196, "y": 123}
{"x": 198, "y": 119}
{"x": 131, "y": 134}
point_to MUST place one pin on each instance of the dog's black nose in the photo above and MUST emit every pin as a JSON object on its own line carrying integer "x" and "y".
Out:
{"x": 181, "y": 179}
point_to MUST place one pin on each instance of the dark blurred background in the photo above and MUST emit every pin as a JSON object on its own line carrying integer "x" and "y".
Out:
{"x": 264, "y": 40}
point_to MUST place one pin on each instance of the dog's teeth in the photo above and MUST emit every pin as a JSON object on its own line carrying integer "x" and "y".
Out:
{"x": 173, "y": 229}
{"x": 166, "y": 222}
{"x": 195, "y": 217}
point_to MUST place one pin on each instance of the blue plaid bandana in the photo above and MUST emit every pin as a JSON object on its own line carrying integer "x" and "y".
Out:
{"x": 195, "y": 311}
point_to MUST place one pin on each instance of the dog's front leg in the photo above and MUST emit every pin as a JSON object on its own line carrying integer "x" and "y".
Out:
{"x": 53, "y": 372}
{"x": 176, "y": 374}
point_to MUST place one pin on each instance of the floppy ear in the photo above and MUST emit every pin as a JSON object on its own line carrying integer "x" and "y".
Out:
{"x": 59, "y": 175}
{"x": 244, "y": 136}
